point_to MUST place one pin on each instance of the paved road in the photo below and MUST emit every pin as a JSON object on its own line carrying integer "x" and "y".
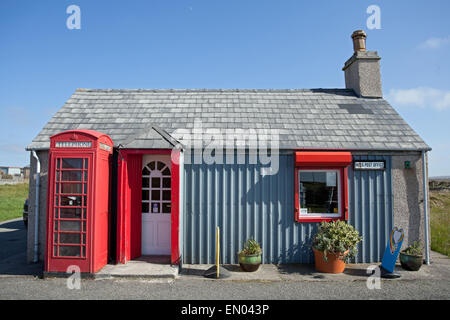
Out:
{"x": 32, "y": 288}
{"x": 19, "y": 280}
{"x": 13, "y": 238}
{"x": 13, "y": 246}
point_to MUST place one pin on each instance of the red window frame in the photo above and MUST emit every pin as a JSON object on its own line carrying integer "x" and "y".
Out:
{"x": 323, "y": 161}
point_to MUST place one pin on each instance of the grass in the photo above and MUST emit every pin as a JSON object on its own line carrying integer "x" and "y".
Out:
{"x": 440, "y": 221}
{"x": 12, "y": 198}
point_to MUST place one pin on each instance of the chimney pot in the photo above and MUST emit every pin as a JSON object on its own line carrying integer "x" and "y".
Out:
{"x": 359, "y": 40}
{"x": 362, "y": 70}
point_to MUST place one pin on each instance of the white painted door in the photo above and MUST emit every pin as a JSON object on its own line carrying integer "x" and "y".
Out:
{"x": 156, "y": 205}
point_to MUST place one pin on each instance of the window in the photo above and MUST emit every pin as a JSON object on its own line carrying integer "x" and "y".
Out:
{"x": 156, "y": 190}
{"x": 321, "y": 186}
{"x": 319, "y": 193}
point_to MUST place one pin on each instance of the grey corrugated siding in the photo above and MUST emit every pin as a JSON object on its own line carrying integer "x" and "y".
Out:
{"x": 244, "y": 204}
{"x": 370, "y": 207}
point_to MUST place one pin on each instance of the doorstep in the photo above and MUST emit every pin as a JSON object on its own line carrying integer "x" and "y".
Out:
{"x": 142, "y": 268}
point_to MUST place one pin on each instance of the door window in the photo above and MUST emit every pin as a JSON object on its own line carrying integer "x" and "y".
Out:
{"x": 156, "y": 191}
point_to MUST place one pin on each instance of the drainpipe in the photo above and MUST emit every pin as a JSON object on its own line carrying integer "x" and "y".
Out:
{"x": 425, "y": 207}
{"x": 36, "y": 204}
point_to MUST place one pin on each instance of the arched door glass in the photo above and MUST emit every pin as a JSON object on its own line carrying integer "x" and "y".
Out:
{"x": 156, "y": 188}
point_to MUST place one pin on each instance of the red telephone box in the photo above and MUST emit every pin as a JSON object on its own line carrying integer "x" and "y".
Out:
{"x": 78, "y": 201}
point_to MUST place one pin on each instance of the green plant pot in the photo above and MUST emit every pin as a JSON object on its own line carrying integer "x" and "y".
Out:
{"x": 250, "y": 262}
{"x": 409, "y": 262}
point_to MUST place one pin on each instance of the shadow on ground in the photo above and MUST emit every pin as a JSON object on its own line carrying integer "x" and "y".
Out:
{"x": 13, "y": 246}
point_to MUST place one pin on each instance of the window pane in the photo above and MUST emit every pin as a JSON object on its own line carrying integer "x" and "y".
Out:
{"x": 69, "y": 251}
{"x": 71, "y": 201}
{"x": 151, "y": 165}
{"x": 69, "y": 226}
{"x": 145, "y": 182}
{"x": 144, "y": 194}
{"x": 72, "y": 175}
{"x": 145, "y": 207}
{"x": 166, "y": 207}
{"x": 156, "y": 182}
{"x": 160, "y": 165}
{"x": 73, "y": 238}
{"x": 145, "y": 172}
{"x": 155, "y": 207}
{"x": 156, "y": 195}
{"x": 71, "y": 213}
{"x": 75, "y": 163}
{"x": 166, "y": 195}
{"x": 166, "y": 182}
{"x": 318, "y": 192}
{"x": 166, "y": 172}
{"x": 71, "y": 188}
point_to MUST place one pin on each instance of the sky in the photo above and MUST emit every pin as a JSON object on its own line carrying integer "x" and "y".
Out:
{"x": 218, "y": 44}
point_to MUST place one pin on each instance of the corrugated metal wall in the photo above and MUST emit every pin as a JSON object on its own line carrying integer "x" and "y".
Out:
{"x": 370, "y": 207}
{"x": 245, "y": 204}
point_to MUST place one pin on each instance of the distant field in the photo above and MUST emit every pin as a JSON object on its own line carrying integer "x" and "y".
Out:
{"x": 12, "y": 198}
{"x": 440, "y": 221}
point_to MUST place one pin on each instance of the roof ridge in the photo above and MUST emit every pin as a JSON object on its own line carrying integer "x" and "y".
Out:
{"x": 217, "y": 90}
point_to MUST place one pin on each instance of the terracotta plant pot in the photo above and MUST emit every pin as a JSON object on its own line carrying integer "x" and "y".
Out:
{"x": 410, "y": 262}
{"x": 333, "y": 265}
{"x": 250, "y": 262}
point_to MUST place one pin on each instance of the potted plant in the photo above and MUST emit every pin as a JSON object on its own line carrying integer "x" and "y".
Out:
{"x": 411, "y": 258}
{"x": 250, "y": 256}
{"x": 333, "y": 245}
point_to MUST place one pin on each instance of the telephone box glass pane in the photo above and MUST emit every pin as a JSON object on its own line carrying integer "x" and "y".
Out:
{"x": 72, "y": 163}
{"x": 74, "y": 201}
{"x": 70, "y": 213}
{"x": 69, "y": 251}
{"x": 71, "y": 188}
{"x": 69, "y": 225}
{"x": 72, "y": 176}
{"x": 71, "y": 238}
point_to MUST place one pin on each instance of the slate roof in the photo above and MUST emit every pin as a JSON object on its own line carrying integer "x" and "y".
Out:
{"x": 308, "y": 119}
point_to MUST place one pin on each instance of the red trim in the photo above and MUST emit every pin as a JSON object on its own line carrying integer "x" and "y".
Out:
{"x": 317, "y": 158}
{"x": 129, "y": 222}
{"x": 175, "y": 208}
{"x": 135, "y": 187}
{"x": 305, "y": 160}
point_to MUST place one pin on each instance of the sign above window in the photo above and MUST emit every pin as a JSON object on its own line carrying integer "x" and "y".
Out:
{"x": 369, "y": 165}
{"x": 73, "y": 144}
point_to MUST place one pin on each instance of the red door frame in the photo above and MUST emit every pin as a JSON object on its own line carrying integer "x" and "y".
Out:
{"x": 129, "y": 197}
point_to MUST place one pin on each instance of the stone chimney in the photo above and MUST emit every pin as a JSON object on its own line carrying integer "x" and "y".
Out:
{"x": 362, "y": 70}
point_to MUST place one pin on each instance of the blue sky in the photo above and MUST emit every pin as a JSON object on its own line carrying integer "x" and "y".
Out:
{"x": 218, "y": 44}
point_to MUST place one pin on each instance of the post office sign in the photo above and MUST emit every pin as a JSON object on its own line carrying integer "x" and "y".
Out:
{"x": 369, "y": 165}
